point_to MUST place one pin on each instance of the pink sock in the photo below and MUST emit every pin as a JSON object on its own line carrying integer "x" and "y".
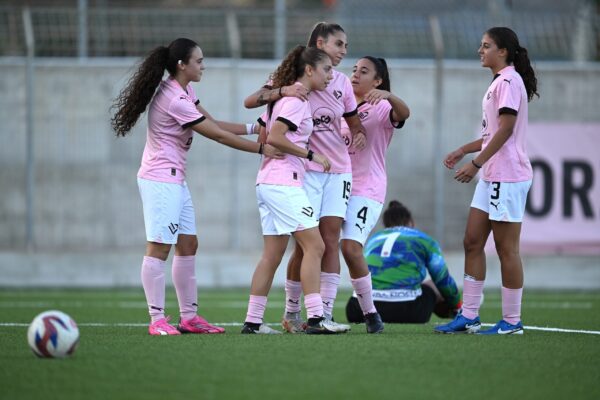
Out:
{"x": 153, "y": 281}
{"x": 472, "y": 291}
{"x": 329, "y": 287}
{"x": 314, "y": 305}
{"x": 364, "y": 293}
{"x": 511, "y": 305}
{"x": 256, "y": 309}
{"x": 184, "y": 279}
{"x": 293, "y": 291}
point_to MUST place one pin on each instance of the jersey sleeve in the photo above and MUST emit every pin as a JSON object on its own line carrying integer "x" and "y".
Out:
{"x": 509, "y": 96}
{"x": 290, "y": 111}
{"x": 184, "y": 111}
{"x": 436, "y": 265}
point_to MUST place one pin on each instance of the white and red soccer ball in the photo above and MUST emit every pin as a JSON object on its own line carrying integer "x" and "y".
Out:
{"x": 53, "y": 334}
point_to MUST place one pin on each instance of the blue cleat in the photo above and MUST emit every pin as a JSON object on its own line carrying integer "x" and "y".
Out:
{"x": 504, "y": 328}
{"x": 460, "y": 324}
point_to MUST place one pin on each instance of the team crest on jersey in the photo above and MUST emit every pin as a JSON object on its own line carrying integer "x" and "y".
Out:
{"x": 363, "y": 115}
{"x": 489, "y": 95}
{"x": 337, "y": 94}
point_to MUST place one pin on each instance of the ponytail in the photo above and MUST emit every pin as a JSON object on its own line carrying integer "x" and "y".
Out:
{"x": 506, "y": 38}
{"x": 139, "y": 90}
{"x": 523, "y": 67}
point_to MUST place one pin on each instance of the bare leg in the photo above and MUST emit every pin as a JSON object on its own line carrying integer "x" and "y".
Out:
{"x": 313, "y": 248}
{"x": 506, "y": 238}
{"x": 274, "y": 249}
{"x": 353, "y": 254}
{"x": 476, "y": 234}
{"x": 330, "y": 228}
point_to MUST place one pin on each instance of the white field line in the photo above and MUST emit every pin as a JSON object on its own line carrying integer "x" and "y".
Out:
{"x": 100, "y": 324}
{"x": 582, "y": 305}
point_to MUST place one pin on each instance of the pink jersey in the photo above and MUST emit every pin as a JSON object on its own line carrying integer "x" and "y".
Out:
{"x": 171, "y": 115}
{"x": 289, "y": 171}
{"x": 328, "y": 108}
{"x": 506, "y": 94}
{"x": 369, "y": 178}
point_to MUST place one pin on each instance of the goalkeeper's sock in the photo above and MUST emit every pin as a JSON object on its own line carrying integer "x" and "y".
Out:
{"x": 511, "y": 305}
{"x": 472, "y": 292}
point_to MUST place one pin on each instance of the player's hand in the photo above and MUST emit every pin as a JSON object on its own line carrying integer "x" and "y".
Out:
{"x": 359, "y": 140}
{"x": 466, "y": 173}
{"x": 374, "y": 96}
{"x": 319, "y": 159}
{"x": 272, "y": 152}
{"x": 299, "y": 91}
{"x": 453, "y": 157}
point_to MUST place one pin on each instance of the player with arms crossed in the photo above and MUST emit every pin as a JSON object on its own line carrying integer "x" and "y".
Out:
{"x": 174, "y": 115}
{"x": 499, "y": 201}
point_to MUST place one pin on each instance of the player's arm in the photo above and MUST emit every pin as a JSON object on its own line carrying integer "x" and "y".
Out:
{"x": 238, "y": 129}
{"x": 440, "y": 275}
{"x": 277, "y": 138}
{"x": 455, "y": 156}
{"x": 505, "y": 129}
{"x": 266, "y": 95}
{"x": 400, "y": 111}
{"x": 211, "y": 130}
{"x": 357, "y": 130}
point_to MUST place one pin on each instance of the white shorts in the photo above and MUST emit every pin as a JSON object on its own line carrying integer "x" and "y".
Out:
{"x": 328, "y": 193}
{"x": 284, "y": 209}
{"x": 361, "y": 217}
{"x": 168, "y": 210}
{"x": 503, "y": 201}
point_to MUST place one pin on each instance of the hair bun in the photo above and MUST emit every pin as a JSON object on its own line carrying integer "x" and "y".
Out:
{"x": 394, "y": 204}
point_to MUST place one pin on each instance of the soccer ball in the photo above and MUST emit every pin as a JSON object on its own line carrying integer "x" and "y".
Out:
{"x": 53, "y": 334}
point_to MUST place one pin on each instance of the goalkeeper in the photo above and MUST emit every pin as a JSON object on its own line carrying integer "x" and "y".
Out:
{"x": 399, "y": 258}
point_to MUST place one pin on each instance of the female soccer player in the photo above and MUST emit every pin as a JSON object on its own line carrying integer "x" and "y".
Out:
{"x": 282, "y": 202}
{"x": 328, "y": 191}
{"x": 399, "y": 258}
{"x": 380, "y": 111}
{"x": 499, "y": 201}
{"x": 173, "y": 116}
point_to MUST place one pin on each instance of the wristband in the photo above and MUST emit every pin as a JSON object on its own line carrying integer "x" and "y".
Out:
{"x": 261, "y": 148}
{"x": 249, "y": 129}
{"x": 310, "y": 155}
{"x": 476, "y": 166}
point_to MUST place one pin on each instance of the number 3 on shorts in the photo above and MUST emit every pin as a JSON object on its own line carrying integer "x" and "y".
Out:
{"x": 496, "y": 189}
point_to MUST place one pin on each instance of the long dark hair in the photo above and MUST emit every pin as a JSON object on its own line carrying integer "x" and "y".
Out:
{"x": 381, "y": 72}
{"x": 397, "y": 215}
{"x": 506, "y": 38}
{"x": 139, "y": 90}
{"x": 322, "y": 30}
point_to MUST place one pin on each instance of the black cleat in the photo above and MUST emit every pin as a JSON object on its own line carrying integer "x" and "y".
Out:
{"x": 374, "y": 323}
{"x": 320, "y": 326}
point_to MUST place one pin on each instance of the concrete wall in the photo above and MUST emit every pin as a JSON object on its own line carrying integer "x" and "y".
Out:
{"x": 86, "y": 196}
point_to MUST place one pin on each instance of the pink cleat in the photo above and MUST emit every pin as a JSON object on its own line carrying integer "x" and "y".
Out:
{"x": 162, "y": 328}
{"x": 198, "y": 325}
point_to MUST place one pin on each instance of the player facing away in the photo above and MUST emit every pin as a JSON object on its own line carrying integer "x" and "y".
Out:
{"x": 380, "y": 112}
{"x": 499, "y": 201}
{"x": 328, "y": 191}
{"x": 283, "y": 205}
{"x": 399, "y": 258}
{"x": 173, "y": 116}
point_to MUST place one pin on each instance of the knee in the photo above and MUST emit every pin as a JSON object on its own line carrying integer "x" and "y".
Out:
{"x": 472, "y": 243}
{"x": 506, "y": 251}
{"x": 317, "y": 249}
{"x": 352, "y": 249}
